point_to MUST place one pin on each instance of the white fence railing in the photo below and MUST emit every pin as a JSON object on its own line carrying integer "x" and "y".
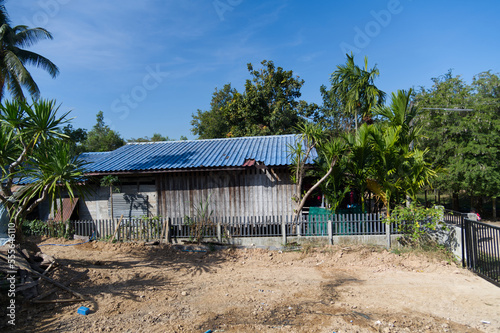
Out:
{"x": 231, "y": 227}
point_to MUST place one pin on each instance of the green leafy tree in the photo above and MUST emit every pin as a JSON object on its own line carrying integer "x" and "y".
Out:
{"x": 329, "y": 151}
{"x": 484, "y": 149}
{"x": 216, "y": 122}
{"x": 354, "y": 87}
{"x": 359, "y": 160}
{"x": 399, "y": 169}
{"x": 155, "y": 138}
{"x": 331, "y": 114}
{"x": 101, "y": 137}
{"x": 270, "y": 105}
{"x": 14, "y": 58}
{"x": 467, "y": 142}
{"x": 36, "y": 161}
{"x": 76, "y": 137}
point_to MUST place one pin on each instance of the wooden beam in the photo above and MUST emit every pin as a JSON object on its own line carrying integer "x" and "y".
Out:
{"x": 116, "y": 229}
{"x": 66, "y": 283}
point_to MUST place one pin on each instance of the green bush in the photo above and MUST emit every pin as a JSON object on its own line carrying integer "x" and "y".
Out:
{"x": 48, "y": 228}
{"x": 415, "y": 222}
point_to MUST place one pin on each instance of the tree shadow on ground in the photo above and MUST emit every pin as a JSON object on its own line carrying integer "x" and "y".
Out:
{"x": 134, "y": 273}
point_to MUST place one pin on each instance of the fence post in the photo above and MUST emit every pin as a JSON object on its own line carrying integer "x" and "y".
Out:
{"x": 168, "y": 236}
{"x": 283, "y": 229}
{"x": 299, "y": 225}
{"x": 330, "y": 231}
{"x": 219, "y": 231}
{"x": 388, "y": 234}
{"x": 462, "y": 226}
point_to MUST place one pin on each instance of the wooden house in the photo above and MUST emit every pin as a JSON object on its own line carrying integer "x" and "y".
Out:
{"x": 248, "y": 176}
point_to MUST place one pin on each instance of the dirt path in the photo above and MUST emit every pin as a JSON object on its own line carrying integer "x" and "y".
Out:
{"x": 333, "y": 289}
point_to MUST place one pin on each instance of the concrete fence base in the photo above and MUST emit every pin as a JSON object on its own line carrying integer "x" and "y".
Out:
{"x": 277, "y": 242}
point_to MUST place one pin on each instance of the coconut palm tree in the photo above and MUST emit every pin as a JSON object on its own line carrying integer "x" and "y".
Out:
{"x": 356, "y": 89}
{"x": 14, "y": 57}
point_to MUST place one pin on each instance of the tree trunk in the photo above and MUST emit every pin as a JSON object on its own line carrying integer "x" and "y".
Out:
{"x": 388, "y": 225}
{"x": 19, "y": 230}
{"x": 494, "y": 201}
{"x": 111, "y": 201}
{"x": 302, "y": 201}
{"x": 456, "y": 205}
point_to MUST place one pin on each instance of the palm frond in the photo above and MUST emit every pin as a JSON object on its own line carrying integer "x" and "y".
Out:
{"x": 26, "y": 37}
{"x": 32, "y": 58}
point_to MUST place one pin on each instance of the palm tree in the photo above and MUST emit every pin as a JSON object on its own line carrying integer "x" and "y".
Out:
{"x": 360, "y": 159}
{"x": 13, "y": 57}
{"x": 399, "y": 169}
{"x": 401, "y": 112}
{"x": 355, "y": 87}
{"x": 36, "y": 162}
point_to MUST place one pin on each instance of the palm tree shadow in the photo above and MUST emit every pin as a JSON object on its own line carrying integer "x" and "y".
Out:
{"x": 131, "y": 278}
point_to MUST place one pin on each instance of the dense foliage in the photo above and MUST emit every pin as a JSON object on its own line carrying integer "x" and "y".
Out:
{"x": 36, "y": 161}
{"x": 466, "y": 143}
{"x": 101, "y": 137}
{"x": 157, "y": 137}
{"x": 269, "y": 105}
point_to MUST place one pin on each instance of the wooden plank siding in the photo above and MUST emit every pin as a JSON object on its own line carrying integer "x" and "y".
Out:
{"x": 250, "y": 192}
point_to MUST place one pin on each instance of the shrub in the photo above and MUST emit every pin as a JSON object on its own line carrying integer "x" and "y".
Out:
{"x": 48, "y": 228}
{"x": 415, "y": 222}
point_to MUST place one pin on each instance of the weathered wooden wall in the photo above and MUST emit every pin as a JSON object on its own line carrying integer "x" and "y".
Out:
{"x": 97, "y": 206}
{"x": 251, "y": 192}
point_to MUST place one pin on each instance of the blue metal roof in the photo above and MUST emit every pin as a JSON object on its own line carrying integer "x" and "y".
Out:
{"x": 94, "y": 156}
{"x": 213, "y": 153}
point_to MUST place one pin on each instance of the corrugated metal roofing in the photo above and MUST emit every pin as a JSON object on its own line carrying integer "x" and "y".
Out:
{"x": 67, "y": 210}
{"x": 213, "y": 153}
{"x": 94, "y": 157}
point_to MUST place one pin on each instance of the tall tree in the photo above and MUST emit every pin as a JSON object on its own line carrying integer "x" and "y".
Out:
{"x": 14, "y": 58}
{"x": 101, "y": 137}
{"x": 462, "y": 131}
{"x": 270, "y": 105}
{"x": 355, "y": 88}
{"x": 400, "y": 167}
{"x": 329, "y": 152}
{"x": 217, "y": 122}
{"x": 359, "y": 160}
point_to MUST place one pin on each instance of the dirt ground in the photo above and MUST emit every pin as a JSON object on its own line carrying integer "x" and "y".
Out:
{"x": 141, "y": 288}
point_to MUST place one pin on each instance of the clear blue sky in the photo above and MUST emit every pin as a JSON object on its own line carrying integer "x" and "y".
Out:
{"x": 150, "y": 64}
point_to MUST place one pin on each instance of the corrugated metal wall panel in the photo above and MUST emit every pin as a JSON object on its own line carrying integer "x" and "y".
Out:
{"x": 130, "y": 205}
